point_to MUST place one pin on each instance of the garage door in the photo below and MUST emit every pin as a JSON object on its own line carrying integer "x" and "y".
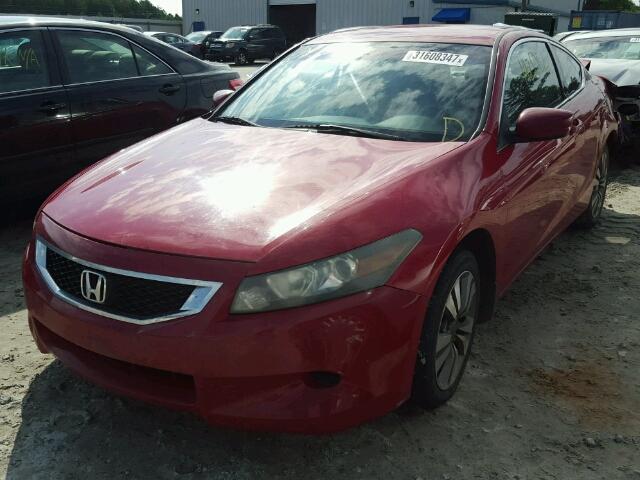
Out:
{"x": 297, "y": 18}
{"x": 292, "y": 2}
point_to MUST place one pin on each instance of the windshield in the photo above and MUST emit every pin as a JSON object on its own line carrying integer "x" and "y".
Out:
{"x": 420, "y": 92}
{"x": 235, "y": 33}
{"x": 622, "y": 48}
{"x": 196, "y": 36}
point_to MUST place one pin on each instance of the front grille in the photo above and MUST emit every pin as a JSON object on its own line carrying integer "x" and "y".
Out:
{"x": 130, "y": 295}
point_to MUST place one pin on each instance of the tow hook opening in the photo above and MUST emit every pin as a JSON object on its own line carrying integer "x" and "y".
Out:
{"x": 322, "y": 379}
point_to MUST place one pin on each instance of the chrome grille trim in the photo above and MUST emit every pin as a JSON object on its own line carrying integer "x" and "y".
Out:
{"x": 202, "y": 293}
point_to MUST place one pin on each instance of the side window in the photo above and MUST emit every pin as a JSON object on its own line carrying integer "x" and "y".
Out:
{"x": 570, "y": 70}
{"x": 148, "y": 64}
{"x": 94, "y": 56}
{"x": 530, "y": 81}
{"x": 171, "y": 39}
{"x": 22, "y": 61}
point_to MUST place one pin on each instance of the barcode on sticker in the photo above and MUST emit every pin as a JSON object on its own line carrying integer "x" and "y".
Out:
{"x": 635, "y": 40}
{"x": 441, "y": 58}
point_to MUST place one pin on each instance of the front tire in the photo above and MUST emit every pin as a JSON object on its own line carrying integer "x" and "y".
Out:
{"x": 592, "y": 214}
{"x": 447, "y": 334}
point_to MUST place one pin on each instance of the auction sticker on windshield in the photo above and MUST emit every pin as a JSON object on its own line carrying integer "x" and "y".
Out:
{"x": 441, "y": 58}
{"x": 635, "y": 39}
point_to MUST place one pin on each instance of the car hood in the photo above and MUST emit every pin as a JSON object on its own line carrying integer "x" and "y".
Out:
{"x": 228, "y": 192}
{"x": 619, "y": 71}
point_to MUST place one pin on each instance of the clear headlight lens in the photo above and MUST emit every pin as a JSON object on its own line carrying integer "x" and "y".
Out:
{"x": 358, "y": 270}
{"x": 231, "y": 45}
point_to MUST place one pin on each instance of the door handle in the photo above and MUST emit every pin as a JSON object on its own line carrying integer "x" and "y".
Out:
{"x": 169, "y": 89}
{"x": 50, "y": 107}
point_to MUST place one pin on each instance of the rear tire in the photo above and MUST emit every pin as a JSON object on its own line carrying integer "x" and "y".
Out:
{"x": 241, "y": 58}
{"x": 592, "y": 214}
{"x": 448, "y": 330}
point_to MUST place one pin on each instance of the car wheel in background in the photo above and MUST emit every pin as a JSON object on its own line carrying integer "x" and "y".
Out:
{"x": 593, "y": 212}
{"x": 241, "y": 58}
{"x": 447, "y": 333}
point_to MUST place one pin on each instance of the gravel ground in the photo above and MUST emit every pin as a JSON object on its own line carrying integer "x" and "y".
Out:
{"x": 552, "y": 391}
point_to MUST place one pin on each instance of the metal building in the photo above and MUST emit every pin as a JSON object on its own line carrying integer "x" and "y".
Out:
{"x": 304, "y": 18}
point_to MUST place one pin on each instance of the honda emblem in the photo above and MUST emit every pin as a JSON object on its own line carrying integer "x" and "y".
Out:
{"x": 93, "y": 286}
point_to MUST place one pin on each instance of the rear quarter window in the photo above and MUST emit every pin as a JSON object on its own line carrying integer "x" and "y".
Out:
{"x": 570, "y": 70}
{"x": 22, "y": 61}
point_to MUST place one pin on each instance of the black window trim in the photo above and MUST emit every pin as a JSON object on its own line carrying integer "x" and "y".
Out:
{"x": 504, "y": 81}
{"x": 55, "y": 81}
{"x": 66, "y": 79}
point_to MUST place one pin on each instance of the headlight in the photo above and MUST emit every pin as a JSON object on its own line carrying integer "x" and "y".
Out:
{"x": 231, "y": 45}
{"x": 358, "y": 270}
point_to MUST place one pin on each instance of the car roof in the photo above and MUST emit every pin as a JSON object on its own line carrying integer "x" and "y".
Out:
{"x": 465, "y": 34}
{"x": 614, "y": 32}
{"x": 27, "y": 21}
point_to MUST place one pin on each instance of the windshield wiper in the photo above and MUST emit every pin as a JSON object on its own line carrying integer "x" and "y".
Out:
{"x": 235, "y": 121}
{"x": 338, "y": 129}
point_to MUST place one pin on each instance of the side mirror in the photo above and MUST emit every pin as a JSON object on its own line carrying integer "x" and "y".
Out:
{"x": 537, "y": 124}
{"x": 221, "y": 96}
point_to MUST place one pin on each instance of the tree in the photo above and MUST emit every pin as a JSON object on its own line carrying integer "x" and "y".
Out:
{"x": 106, "y": 8}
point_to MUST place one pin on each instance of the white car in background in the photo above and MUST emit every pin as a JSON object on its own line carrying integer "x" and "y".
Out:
{"x": 615, "y": 56}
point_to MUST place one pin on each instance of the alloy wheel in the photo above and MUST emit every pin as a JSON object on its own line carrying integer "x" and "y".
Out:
{"x": 242, "y": 58}
{"x": 456, "y": 327}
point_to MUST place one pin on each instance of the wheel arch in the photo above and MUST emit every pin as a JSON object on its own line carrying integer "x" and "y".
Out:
{"x": 611, "y": 143}
{"x": 481, "y": 244}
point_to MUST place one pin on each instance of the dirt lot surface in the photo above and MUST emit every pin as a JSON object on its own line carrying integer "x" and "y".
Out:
{"x": 552, "y": 391}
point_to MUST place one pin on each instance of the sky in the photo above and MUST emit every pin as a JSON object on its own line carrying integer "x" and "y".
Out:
{"x": 170, "y": 6}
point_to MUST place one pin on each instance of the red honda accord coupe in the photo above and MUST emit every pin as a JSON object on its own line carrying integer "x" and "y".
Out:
{"x": 321, "y": 248}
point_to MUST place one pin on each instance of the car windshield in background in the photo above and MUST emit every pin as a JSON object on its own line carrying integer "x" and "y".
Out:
{"x": 196, "y": 36}
{"x": 235, "y": 33}
{"x": 622, "y": 48}
{"x": 419, "y": 92}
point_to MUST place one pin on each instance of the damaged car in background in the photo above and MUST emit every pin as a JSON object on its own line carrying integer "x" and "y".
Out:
{"x": 614, "y": 55}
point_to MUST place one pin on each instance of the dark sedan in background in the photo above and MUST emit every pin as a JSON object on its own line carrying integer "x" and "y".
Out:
{"x": 203, "y": 39}
{"x": 177, "y": 41}
{"x": 74, "y": 91}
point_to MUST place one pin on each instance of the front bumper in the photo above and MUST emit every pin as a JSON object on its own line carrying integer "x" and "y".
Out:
{"x": 261, "y": 371}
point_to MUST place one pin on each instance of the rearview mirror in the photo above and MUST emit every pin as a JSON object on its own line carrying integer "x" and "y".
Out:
{"x": 220, "y": 97}
{"x": 537, "y": 124}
